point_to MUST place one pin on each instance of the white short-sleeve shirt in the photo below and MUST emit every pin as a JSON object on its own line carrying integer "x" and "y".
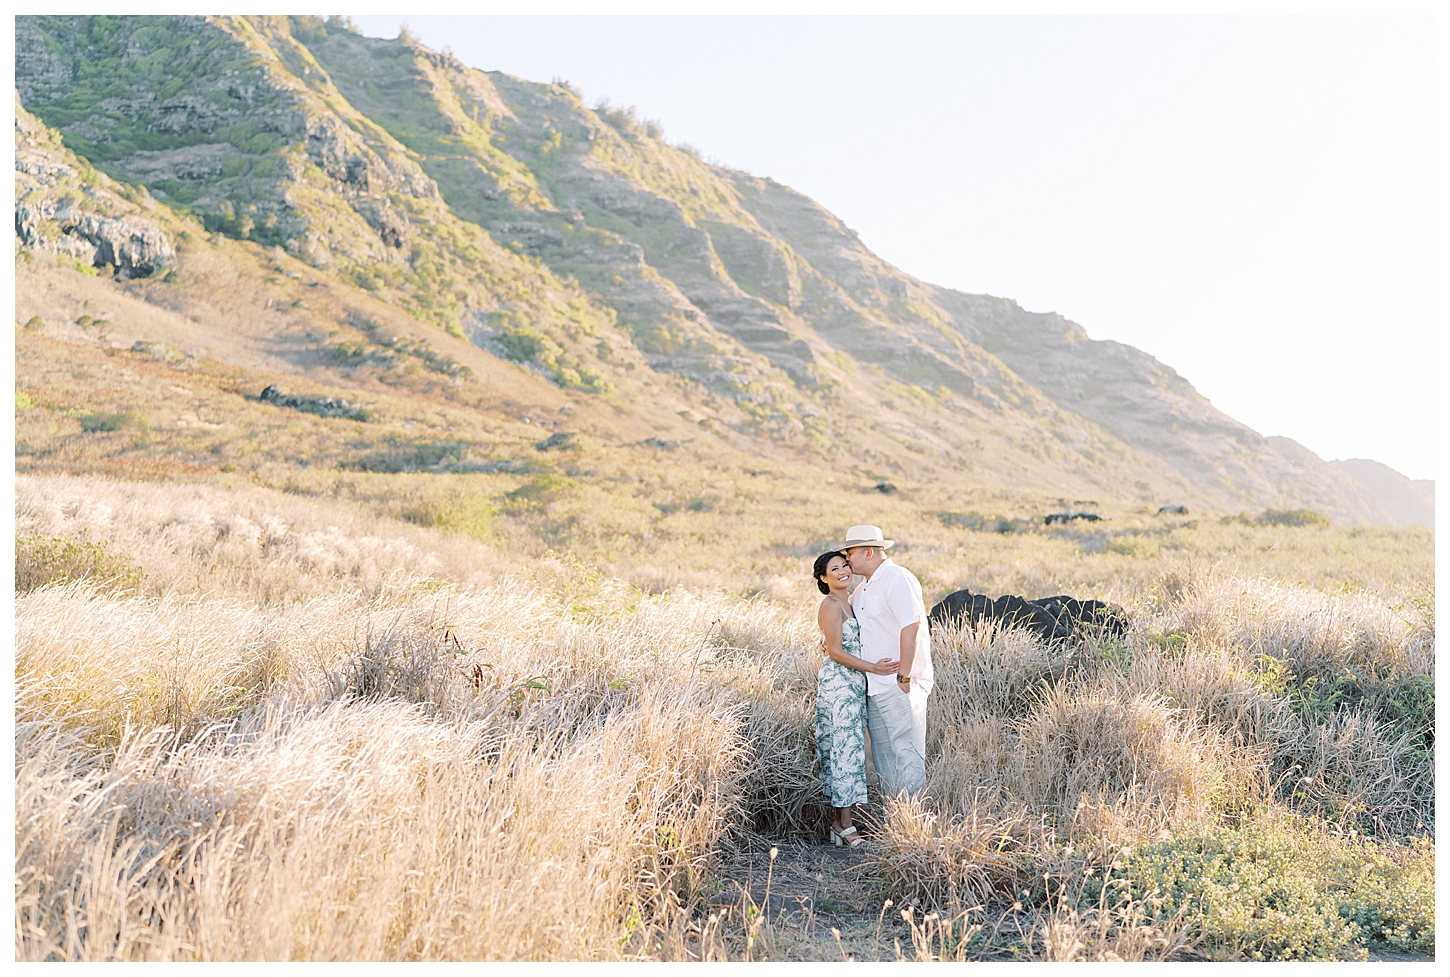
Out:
{"x": 885, "y": 604}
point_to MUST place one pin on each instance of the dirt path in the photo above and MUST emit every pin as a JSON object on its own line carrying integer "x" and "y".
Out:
{"x": 808, "y": 890}
{"x": 803, "y": 893}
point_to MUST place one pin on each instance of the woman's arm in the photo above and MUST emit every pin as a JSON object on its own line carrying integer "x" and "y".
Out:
{"x": 831, "y": 618}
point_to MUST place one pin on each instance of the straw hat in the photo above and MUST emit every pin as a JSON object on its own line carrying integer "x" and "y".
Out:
{"x": 865, "y": 536}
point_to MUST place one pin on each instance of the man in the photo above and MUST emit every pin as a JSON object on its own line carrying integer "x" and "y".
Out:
{"x": 892, "y": 619}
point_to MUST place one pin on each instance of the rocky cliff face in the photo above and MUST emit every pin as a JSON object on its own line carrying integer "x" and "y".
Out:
{"x": 63, "y": 207}
{"x": 579, "y": 244}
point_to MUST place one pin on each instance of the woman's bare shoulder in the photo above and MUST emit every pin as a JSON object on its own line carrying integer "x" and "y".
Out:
{"x": 830, "y": 609}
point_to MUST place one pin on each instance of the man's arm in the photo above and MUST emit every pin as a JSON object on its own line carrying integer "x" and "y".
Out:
{"x": 900, "y": 602}
{"x": 908, "y": 648}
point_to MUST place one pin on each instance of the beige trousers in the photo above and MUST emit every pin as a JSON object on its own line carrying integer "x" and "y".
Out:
{"x": 897, "y": 722}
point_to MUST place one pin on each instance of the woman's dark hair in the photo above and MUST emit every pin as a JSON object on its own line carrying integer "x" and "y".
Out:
{"x": 819, "y": 570}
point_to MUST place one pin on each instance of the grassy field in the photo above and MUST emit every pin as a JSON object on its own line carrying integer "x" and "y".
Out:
{"x": 543, "y": 715}
{"x": 512, "y": 655}
{"x": 659, "y": 514}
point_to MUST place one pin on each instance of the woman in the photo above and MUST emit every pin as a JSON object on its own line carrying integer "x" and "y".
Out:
{"x": 841, "y": 697}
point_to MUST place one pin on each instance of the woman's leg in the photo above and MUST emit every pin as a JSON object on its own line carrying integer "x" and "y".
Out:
{"x": 823, "y": 738}
{"x": 849, "y": 749}
{"x": 833, "y": 711}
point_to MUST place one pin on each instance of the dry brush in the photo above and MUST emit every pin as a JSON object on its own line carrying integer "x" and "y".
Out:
{"x": 301, "y": 733}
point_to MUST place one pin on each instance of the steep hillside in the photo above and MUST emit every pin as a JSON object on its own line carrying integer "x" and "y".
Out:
{"x": 1149, "y": 406}
{"x": 576, "y": 244}
{"x": 1400, "y": 501}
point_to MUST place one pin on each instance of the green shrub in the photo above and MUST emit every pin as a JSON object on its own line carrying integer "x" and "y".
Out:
{"x": 92, "y": 423}
{"x": 460, "y": 512}
{"x": 402, "y": 456}
{"x": 538, "y": 492}
{"x": 1279, "y": 891}
{"x": 520, "y": 346}
{"x": 229, "y": 223}
{"x": 1412, "y": 703}
{"x": 42, "y": 560}
{"x": 1292, "y": 517}
{"x": 1133, "y": 545}
{"x": 66, "y": 261}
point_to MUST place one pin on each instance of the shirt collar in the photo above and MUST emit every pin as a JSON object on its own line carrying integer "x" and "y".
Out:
{"x": 875, "y": 576}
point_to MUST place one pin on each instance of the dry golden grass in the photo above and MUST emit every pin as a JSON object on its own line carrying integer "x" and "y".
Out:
{"x": 334, "y": 780}
{"x": 364, "y": 830}
{"x": 394, "y": 767}
{"x": 261, "y": 545}
{"x": 309, "y": 732}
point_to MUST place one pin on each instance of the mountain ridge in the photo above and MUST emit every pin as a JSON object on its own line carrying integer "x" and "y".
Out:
{"x": 576, "y": 244}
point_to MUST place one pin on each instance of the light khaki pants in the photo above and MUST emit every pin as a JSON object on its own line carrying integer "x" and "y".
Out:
{"x": 897, "y": 722}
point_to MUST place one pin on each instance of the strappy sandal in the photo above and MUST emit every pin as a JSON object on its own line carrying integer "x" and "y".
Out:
{"x": 850, "y": 837}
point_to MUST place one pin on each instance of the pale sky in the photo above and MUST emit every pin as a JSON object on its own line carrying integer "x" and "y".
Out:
{"x": 1250, "y": 200}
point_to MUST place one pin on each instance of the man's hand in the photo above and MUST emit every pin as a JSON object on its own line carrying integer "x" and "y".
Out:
{"x": 885, "y": 667}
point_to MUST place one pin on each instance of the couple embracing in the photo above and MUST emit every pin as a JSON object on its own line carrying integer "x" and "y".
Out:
{"x": 877, "y": 674}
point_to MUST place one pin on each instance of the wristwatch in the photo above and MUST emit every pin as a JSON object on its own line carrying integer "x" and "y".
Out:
{"x": 903, "y": 679}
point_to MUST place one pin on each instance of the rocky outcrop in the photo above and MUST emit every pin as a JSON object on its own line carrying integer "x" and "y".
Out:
{"x": 1068, "y": 516}
{"x": 61, "y": 208}
{"x": 202, "y": 161}
{"x": 321, "y": 406}
{"x": 1050, "y": 618}
{"x": 136, "y": 248}
{"x": 131, "y": 246}
{"x": 391, "y": 224}
{"x": 183, "y": 114}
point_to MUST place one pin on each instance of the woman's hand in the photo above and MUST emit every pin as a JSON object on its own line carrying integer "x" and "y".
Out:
{"x": 886, "y": 666}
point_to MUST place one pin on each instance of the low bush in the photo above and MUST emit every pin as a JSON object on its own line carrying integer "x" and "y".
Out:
{"x": 460, "y": 512}
{"x": 1281, "y": 890}
{"x": 537, "y": 492}
{"x": 44, "y": 560}
{"x": 92, "y": 423}
{"x": 1292, "y": 517}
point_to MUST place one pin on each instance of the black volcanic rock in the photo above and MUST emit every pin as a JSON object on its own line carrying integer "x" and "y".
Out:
{"x": 1050, "y": 618}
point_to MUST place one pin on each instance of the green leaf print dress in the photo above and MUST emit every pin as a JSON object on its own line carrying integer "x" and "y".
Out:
{"x": 840, "y": 726}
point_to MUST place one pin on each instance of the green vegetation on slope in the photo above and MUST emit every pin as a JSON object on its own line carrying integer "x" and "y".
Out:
{"x": 579, "y": 244}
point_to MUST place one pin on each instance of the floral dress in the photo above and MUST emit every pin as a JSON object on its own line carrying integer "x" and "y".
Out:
{"x": 840, "y": 730}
